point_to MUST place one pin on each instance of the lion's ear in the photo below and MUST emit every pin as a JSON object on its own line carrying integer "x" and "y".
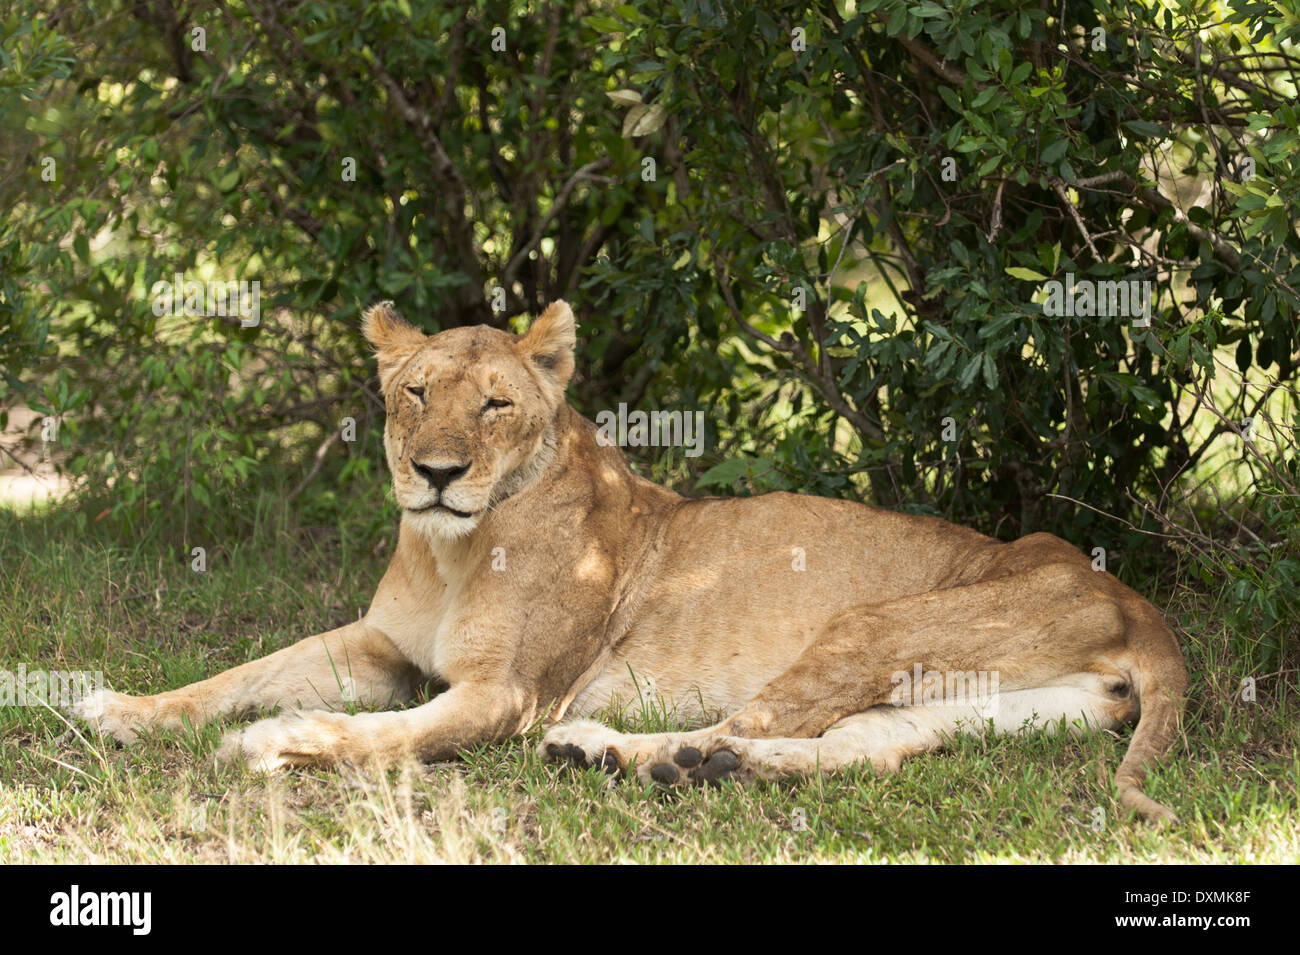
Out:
{"x": 549, "y": 343}
{"x": 393, "y": 338}
{"x": 385, "y": 329}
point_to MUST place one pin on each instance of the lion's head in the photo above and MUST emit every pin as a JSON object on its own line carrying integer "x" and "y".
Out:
{"x": 471, "y": 411}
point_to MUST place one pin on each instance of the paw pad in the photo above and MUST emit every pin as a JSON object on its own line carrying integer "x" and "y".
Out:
{"x": 695, "y": 768}
{"x": 664, "y": 774}
{"x": 568, "y": 751}
{"x": 688, "y": 757}
{"x": 717, "y": 767}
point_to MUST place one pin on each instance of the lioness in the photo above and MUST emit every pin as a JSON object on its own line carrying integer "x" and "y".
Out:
{"x": 539, "y": 577}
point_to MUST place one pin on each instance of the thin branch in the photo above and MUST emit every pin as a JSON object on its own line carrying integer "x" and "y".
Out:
{"x": 316, "y": 466}
{"x": 451, "y": 184}
{"x": 788, "y": 344}
{"x": 1092, "y": 182}
{"x": 1058, "y": 185}
{"x": 558, "y": 206}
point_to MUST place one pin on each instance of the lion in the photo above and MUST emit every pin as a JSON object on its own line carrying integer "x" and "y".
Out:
{"x": 542, "y": 580}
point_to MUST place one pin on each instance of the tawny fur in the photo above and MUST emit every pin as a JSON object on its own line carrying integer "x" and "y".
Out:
{"x": 543, "y": 579}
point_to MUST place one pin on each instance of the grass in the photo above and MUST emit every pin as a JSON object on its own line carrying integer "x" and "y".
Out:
{"x": 82, "y": 601}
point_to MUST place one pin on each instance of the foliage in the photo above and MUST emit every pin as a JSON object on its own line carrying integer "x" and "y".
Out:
{"x": 828, "y": 226}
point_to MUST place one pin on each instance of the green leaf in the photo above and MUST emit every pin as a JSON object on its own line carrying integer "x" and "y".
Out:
{"x": 1243, "y": 355}
{"x": 729, "y": 472}
{"x": 604, "y": 24}
{"x": 969, "y": 371}
{"x": 624, "y": 97}
{"x": 990, "y": 372}
{"x": 643, "y": 120}
{"x": 897, "y": 20}
{"x": 1145, "y": 129}
{"x": 1028, "y": 275}
{"x": 1055, "y": 150}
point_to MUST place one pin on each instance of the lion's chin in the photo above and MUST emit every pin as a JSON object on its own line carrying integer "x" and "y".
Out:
{"x": 441, "y": 524}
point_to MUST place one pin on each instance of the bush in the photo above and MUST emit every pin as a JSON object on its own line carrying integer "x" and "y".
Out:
{"x": 834, "y": 232}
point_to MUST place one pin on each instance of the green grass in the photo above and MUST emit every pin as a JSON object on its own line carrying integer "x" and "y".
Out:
{"x": 80, "y": 601}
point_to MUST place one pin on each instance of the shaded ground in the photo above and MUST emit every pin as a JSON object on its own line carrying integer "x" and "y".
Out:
{"x": 148, "y": 622}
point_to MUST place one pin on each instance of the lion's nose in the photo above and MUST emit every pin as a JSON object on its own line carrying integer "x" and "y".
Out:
{"x": 439, "y": 477}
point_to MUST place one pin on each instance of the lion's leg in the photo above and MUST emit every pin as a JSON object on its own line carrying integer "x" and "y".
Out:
{"x": 883, "y": 736}
{"x": 353, "y": 664}
{"x": 1030, "y": 630}
{"x": 465, "y": 715}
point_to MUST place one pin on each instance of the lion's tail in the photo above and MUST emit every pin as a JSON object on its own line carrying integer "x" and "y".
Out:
{"x": 1162, "y": 687}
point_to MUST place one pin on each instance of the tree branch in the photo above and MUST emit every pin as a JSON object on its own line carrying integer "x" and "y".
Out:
{"x": 789, "y": 345}
{"x": 561, "y": 200}
{"x": 454, "y": 192}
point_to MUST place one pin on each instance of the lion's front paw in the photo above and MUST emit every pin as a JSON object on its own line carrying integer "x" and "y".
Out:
{"x": 115, "y": 714}
{"x": 299, "y": 739}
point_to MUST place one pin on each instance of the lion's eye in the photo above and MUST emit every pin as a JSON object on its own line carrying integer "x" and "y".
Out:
{"x": 497, "y": 403}
{"x": 417, "y": 391}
